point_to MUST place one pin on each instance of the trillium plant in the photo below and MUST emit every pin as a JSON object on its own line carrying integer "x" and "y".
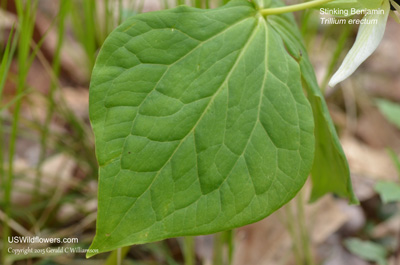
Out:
{"x": 208, "y": 120}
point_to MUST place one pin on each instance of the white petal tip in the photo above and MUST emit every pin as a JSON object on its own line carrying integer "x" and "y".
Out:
{"x": 339, "y": 76}
{"x": 332, "y": 84}
{"x": 368, "y": 38}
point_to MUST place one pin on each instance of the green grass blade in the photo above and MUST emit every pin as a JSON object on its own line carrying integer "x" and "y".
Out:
{"x": 4, "y": 68}
{"x": 63, "y": 11}
{"x": 26, "y": 16}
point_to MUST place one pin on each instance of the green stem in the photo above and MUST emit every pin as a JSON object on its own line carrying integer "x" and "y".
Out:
{"x": 336, "y": 55}
{"x": 141, "y": 5}
{"x": 223, "y": 248}
{"x": 293, "y": 8}
{"x": 107, "y": 20}
{"x": 304, "y": 234}
{"x": 63, "y": 9}
{"x": 120, "y": 10}
{"x": 26, "y": 11}
{"x": 218, "y": 249}
{"x": 230, "y": 241}
{"x": 117, "y": 256}
{"x": 188, "y": 250}
{"x": 4, "y": 68}
{"x": 290, "y": 226}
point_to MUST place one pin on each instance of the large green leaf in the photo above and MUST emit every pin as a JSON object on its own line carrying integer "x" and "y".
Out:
{"x": 330, "y": 171}
{"x": 201, "y": 124}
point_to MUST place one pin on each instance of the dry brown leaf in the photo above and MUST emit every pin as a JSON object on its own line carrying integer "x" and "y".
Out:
{"x": 369, "y": 162}
{"x": 268, "y": 241}
{"x": 376, "y": 131}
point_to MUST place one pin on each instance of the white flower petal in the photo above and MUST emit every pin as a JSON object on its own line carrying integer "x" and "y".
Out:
{"x": 368, "y": 38}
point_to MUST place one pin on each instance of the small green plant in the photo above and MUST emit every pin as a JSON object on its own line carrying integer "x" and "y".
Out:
{"x": 389, "y": 192}
{"x": 208, "y": 120}
{"x": 367, "y": 250}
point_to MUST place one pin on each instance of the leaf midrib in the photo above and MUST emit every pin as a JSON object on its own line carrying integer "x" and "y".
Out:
{"x": 155, "y": 86}
{"x": 254, "y": 31}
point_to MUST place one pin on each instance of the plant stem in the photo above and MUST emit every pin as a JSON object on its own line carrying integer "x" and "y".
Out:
{"x": 218, "y": 249}
{"x": 188, "y": 250}
{"x": 117, "y": 256}
{"x": 336, "y": 55}
{"x": 63, "y": 9}
{"x": 290, "y": 226}
{"x": 304, "y": 234}
{"x": 120, "y": 10}
{"x": 223, "y": 247}
{"x": 141, "y": 5}
{"x": 4, "y": 68}
{"x": 107, "y": 20}
{"x": 26, "y": 11}
{"x": 293, "y": 8}
{"x": 230, "y": 241}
